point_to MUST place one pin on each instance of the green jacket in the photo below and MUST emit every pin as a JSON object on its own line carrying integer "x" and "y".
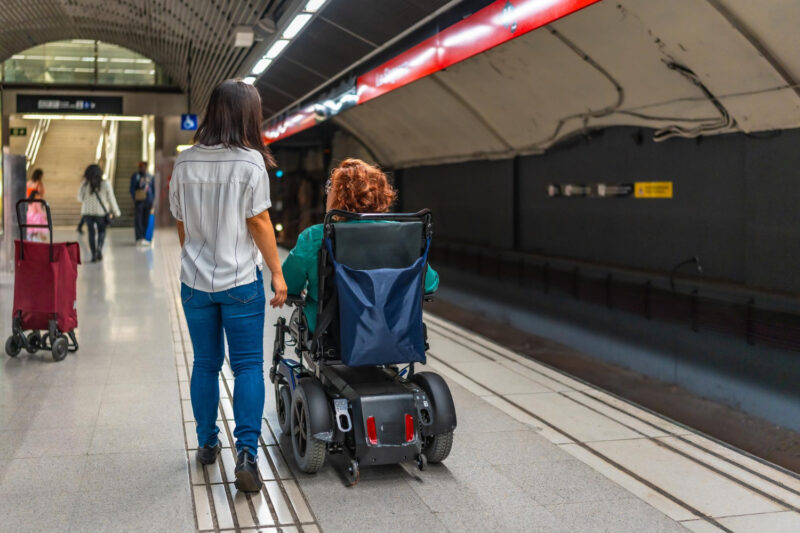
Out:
{"x": 300, "y": 270}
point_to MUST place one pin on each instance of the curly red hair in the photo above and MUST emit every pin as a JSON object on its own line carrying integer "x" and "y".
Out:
{"x": 359, "y": 187}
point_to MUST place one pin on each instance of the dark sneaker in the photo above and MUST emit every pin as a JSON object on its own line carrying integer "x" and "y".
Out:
{"x": 208, "y": 454}
{"x": 247, "y": 478}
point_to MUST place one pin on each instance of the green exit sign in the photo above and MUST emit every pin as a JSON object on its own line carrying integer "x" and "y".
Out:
{"x": 19, "y": 131}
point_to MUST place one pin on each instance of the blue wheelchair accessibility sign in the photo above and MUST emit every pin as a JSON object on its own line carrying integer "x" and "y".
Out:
{"x": 188, "y": 121}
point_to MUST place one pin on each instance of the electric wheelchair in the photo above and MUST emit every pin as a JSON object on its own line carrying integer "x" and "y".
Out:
{"x": 352, "y": 388}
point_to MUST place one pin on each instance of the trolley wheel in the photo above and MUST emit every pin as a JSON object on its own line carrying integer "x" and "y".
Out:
{"x": 437, "y": 447}
{"x": 60, "y": 347}
{"x": 422, "y": 461}
{"x": 13, "y": 346}
{"x": 352, "y": 473}
{"x": 283, "y": 404}
{"x": 309, "y": 452}
{"x": 34, "y": 342}
{"x": 44, "y": 343}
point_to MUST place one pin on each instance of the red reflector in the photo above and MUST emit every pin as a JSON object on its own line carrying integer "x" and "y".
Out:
{"x": 372, "y": 433}
{"x": 409, "y": 428}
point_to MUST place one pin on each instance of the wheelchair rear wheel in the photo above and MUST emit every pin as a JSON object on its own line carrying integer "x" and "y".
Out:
{"x": 437, "y": 447}
{"x": 309, "y": 452}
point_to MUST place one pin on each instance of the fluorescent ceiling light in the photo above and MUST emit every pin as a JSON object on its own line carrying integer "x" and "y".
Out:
{"x": 296, "y": 25}
{"x": 261, "y": 66}
{"x": 182, "y": 147}
{"x": 276, "y": 49}
{"x": 250, "y": 80}
{"x": 314, "y": 5}
{"x": 81, "y": 117}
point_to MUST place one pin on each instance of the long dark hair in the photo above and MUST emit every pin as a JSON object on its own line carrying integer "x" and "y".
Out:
{"x": 233, "y": 119}
{"x": 94, "y": 176}
{"x": 37, "y": 175}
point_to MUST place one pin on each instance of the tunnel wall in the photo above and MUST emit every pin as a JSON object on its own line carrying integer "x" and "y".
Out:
{"x": 736, "y": 204}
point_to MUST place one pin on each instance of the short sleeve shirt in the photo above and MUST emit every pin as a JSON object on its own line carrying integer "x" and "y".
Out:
{"x": 213, "y": 191}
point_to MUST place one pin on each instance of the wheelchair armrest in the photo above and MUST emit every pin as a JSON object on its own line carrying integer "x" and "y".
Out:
{"x": 296, "y": 300}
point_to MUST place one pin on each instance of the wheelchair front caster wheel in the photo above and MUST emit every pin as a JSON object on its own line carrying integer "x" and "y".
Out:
{"x": 353, "y": 473}
{"x": 422, "y": 461}
{"x": 13, "y": 346}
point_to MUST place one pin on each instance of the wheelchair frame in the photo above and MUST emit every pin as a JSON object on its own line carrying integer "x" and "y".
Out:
{"x": 328, "y": 408}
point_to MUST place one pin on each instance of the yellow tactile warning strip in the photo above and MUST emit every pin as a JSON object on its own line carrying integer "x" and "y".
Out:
{"x": 281, "y": 505}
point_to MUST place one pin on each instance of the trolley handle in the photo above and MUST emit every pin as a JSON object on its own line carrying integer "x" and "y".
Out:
{"x": 24, "y": 225}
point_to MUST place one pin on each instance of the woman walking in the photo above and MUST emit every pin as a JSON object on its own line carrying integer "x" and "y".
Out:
{"x": 36, "y": 211}
{"x": 98, "y": 207}
{"x": 219, "y": 194}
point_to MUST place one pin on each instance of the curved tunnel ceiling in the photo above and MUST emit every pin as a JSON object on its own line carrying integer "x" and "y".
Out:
{"x": 162, "y": 30}
{"x": 683, "y": 67}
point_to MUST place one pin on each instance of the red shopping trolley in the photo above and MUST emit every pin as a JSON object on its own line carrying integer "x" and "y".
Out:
{"x": 45, "y": 313}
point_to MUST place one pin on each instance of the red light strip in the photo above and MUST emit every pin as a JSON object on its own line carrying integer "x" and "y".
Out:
{"x": 295, "y": 123}
{"x": 495, "y": 24}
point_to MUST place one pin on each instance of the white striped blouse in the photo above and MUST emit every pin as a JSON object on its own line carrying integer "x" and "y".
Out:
{"x": 214, "y": 190}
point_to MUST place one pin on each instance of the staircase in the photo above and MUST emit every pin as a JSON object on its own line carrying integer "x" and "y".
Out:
{"x": 129, "y": 153}
{"x": 68, "y": 148}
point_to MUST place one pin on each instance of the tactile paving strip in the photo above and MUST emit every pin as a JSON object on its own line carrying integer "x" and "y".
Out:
{"x": 281, "y": 505}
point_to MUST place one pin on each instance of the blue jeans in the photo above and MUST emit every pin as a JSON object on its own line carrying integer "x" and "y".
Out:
{"x": 240, "y": 313}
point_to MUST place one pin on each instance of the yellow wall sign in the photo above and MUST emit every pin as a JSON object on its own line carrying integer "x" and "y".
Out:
{"x": 652, "y": 189}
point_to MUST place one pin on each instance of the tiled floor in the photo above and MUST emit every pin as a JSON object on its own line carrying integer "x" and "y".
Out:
{"x": 104, "y": 441}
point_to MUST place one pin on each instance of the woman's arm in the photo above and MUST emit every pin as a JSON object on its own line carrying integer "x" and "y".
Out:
{"x": 114, "y": 208}
{"x": 181, "y": 232}
{"x": 301, "y": 259}
{"x": 431, "y": 280}
{"x": 260, "y": 227}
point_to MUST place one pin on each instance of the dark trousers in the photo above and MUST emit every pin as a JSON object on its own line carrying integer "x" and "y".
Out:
{"x": 97, "y": 227}
{"x": 141, "y": 216}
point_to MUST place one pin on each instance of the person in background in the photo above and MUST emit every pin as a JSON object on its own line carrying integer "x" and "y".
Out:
{"x": 219, "y": 194}
{"x": 98, "y": 207}
{"x": 36, "y": 211}
{"x": 143, "y": 193}
{"x": 81, "y": 222}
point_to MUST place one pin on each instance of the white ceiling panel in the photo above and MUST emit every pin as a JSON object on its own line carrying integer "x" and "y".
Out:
{"x": 685, "y": 67}
{"x": 419, "y": 122}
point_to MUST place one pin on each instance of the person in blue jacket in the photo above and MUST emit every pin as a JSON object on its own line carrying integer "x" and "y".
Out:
{"x": 143, "y": 192}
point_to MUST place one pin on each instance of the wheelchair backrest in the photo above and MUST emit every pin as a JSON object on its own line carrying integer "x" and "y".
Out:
{"x": 371, "y": 288}
{"x": 370, "y": 246}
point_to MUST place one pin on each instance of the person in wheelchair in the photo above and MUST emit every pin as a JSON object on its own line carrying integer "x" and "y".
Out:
{"x": 354, "y": 186}
{"x": 358, "y": 333}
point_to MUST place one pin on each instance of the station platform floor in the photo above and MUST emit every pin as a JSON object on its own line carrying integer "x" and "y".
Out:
{"x": 104, "y": 440}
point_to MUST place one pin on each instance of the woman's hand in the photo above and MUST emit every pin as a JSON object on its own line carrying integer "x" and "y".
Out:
{"x": 279, "y": 286}
{"x": 260, "y": 227}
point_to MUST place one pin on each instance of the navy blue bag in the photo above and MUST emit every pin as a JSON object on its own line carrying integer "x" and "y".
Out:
{"x": 380, "y": 313}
